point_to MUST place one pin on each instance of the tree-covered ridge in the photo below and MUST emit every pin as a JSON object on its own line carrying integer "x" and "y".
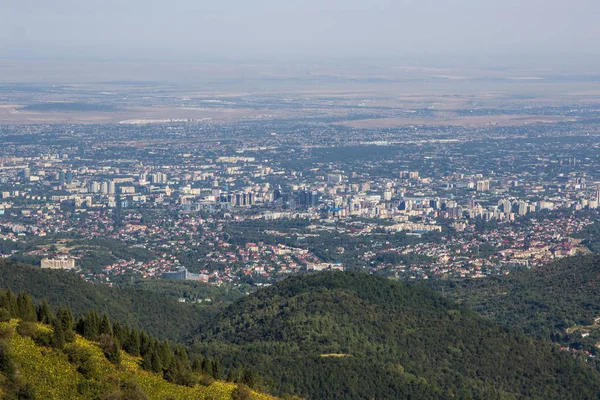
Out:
{"x": 591, "y": 236}
{"x": 543, "y": 303}
{"x": 160, "y": 315}
{"x": 48, "y": 355}
{"x": 351, "y": 335}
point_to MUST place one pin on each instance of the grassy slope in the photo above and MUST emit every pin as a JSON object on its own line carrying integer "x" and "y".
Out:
{"x": 53, "y": 377}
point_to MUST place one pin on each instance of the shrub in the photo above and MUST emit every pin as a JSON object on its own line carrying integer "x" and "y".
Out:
{"x": 4, "y": 315}
{"x": 77, "y": 354}
{"x": 42, "y": 337}
{"x": 206, "y": 380}
{"x": 241, "y": 392}
{"x": 88, "y": 368}
{"x": 6, "y": 332}
{"x": 7, "y": 364}
{"x": 26, "y": 392}
{"x": 26, "y": 329}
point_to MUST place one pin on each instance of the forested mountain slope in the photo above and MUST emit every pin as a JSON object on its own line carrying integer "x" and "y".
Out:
{"x": 552, "y": 302}
{"x": 354, "y": 336}
{"x": 157, "y": 314}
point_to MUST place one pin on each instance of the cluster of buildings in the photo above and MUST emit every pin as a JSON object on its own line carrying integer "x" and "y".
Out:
{"x": 227, "y": 210}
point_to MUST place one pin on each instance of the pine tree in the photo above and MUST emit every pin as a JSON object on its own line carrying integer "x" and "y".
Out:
{"x": 11, "y": 302}
{"x": 65, "y": 317}
{"x": 145, "y": 343}
{"x": 105, "y": 326}
{"x": 156, "y": 365}
{"x": 91, "y": 326}
{"x": 197, "y": 363}
{"x": 44, "y": 313}
{"x": 25, "y": 308}
{"x": 206, "y": 366}
{"x": 111, "y": 348}
{"x": 132, "y": 343}
{"x": 216, "y": 369}
{"x": 119, "y": 333}
{"x": 147, "y": 362}
{"x": 164, "y": 350}
{"x": 58, "y": 336}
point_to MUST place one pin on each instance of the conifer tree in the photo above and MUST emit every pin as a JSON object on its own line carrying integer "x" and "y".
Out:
{"x": 132, "y": 344}
{"x": 145, "y": 343}
{"x": 11, "y": 302}
{"x": 119, "y": 333}
{"x": 64, "y": 316}
{"x": 216, "y": 369}
{"x": 25, "y": 308}
{"x": 105, "y": 326}
{"x": 44, "y": 313}
{"x": 91, "y": 326}
{"x": 58, "y": 336}
{"x": 156, "y": 365}
{"x": 164, "y": 350}
{"x": 147, "y": 361}
{"x": 197, "y": 363}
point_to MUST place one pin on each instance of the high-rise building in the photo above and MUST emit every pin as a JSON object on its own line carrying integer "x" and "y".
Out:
{"x": 69, "y": 177}
{"x": 506, "y": 205}
{"x": 483, "y": 186}
{"x": 523, "y": 208}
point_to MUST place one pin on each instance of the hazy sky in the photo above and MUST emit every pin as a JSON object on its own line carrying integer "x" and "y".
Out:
{"x": 280, "y": 29}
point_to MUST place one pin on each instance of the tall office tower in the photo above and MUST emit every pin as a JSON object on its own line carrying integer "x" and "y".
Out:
{"x": 598, "y": 195}
{"x": 26, "y": 172}
{"x": 104, "y": 187}
{"x": 111, "y": 187}
{"x": 61, "y": 178}
{"x": 69, "y": 177}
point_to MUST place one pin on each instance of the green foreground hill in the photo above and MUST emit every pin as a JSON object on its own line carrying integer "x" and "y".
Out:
{"x": 355, "y": 336}
{"x": 157, "y": 314}
{"x": 29, "y": 370}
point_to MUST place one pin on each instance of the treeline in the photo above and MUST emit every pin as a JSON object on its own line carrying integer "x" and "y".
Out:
{"x": 156, "y": 313}
{"x": 170, "y": 360}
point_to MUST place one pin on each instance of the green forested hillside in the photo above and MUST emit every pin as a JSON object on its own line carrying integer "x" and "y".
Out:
{"x": 355, "y": 336}
{"x": 547, "y": 303}
{"x": 81, "y": 369}
{"x": 160, "y": 315}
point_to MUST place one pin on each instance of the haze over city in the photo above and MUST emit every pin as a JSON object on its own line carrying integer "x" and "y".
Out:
{"x": 299, "y": 30}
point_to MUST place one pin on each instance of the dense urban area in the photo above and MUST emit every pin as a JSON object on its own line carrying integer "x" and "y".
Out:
{"x": 254, "y": 199}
